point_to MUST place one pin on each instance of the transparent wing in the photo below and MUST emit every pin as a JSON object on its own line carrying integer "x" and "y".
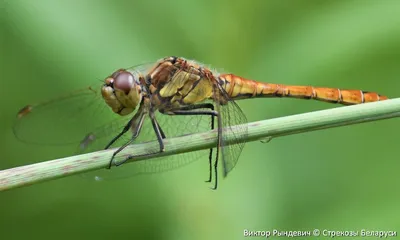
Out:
{"x": 63, "y": 120}
{"x": 84, "y": 121}
{"x": 66, "y": 119}
{"x": 172, "y": 126}
{"x": 234, "y": 124}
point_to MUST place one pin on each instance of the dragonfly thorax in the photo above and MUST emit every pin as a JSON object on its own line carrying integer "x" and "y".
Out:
{"x": 122, "y": 92}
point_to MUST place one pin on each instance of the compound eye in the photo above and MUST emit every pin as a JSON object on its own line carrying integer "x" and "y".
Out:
{"x": 124, "y": 81}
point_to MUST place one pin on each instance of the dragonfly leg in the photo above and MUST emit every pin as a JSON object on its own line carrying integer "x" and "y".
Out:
{"x": 134, "y": 136}
{"x": 139, "y": 115}
{"x": 211, "y": 151}
{"x": 192, "y": 111}
{"x": 211, "y": 107}
{"x": 124, "y": 130}
{"x": 219, "y": 144}
{"x": 159, "y": 133}
{"x": 157, "y": 129}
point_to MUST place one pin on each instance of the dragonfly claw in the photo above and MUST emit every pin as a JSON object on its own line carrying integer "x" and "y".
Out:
{"x": 111, "y": 163}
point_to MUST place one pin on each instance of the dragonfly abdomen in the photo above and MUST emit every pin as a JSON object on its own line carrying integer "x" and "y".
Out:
{"x": 240, "y": 88}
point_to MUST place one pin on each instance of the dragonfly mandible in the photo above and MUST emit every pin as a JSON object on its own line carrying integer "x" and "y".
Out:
{"x": 170, "y": 97}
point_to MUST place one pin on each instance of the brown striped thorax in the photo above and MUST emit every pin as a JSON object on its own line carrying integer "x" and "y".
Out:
{"x": 178, "y": 82}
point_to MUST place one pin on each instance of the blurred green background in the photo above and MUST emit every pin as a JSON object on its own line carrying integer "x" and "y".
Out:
{"x": 338, "y": 179}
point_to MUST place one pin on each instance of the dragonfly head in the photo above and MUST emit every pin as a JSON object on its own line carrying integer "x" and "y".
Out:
{"x": 122, "y": 92}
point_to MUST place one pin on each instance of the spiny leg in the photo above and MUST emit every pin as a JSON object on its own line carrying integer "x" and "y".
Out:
{"x": 124, "y": 130}
{"x": 211, "y": 151}
{"x": 219, "y": 139}
{"x": 134, "y": 136}
{"x": 210, "y": 106}
{"x": 159, "y": 133}
{"x": 191, "y": 110}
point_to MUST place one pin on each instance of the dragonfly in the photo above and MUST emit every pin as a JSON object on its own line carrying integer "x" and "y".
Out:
{"x": 170, "y": 97}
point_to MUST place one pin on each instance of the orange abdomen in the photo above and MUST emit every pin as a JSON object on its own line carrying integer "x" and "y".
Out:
{"x": 240, "y": 88}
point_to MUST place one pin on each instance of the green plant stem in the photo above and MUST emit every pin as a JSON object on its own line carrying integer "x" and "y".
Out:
{"x": 39, "y": 172}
